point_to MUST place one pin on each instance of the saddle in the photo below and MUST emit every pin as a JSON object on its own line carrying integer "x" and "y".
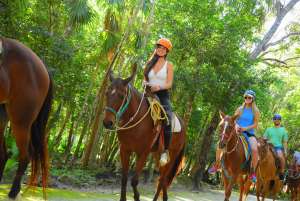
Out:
{"x": 159, "y": 115}
{"x": 160, "y": 118}
{"x": 247, "y": 149}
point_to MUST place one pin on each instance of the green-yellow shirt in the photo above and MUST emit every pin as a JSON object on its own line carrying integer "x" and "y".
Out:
{"x": 276, "y": 136}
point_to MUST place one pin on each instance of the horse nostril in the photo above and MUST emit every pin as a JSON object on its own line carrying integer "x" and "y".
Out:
{"x": 222, "y": 145}
{"x": 108, "y": 124}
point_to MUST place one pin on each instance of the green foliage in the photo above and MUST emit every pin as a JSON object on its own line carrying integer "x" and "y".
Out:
{"x": 211, "y": 40}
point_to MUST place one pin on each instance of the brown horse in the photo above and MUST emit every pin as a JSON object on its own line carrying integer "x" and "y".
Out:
{"x": 233, "y": 158}
{"x": 293, "y": 182}
{"x": 268, "y": 183}
{"x": 126, "y": 106}
{"x": 25, "y": 101}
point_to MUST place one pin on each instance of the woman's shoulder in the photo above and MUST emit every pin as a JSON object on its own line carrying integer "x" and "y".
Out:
{"x": 169, "y": 64}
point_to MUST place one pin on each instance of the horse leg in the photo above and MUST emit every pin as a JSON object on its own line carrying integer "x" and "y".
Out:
{"x": 135, "y": 179}
{"x": 3, "y": 151}
{"x": 125, "y": 158}
{"x": 165, "y": 192}
{"x": 22, "y": 135}
{"x": 247, "y": 186}
{"x": 228, "y": 188}
{"x": 242, "y": 190}
{"x": 158, "y": 190}
{"x": 258, "y": 190}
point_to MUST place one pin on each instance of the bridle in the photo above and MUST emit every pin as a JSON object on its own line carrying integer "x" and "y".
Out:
{"x": 224, "y": 134}
{"x": 124, "y": 106}
{"x": 125, "y": 103}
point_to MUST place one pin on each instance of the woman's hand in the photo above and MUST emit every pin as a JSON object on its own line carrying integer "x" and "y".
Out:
{"x": 244, "y": 129}
{"x": 155, "y": 88}
{"x": 238, "y": 129}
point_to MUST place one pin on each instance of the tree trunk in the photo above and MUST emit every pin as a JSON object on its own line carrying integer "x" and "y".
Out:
{"x": 82, "y": 134}
{"x": 96, "y": 122}
{"x": 281, "y": 13}
{"x": 62, "y": 128}
{"x": 205, "y": 147}
{"x": 189, "y": 109}
{"x": 69, "y": 142}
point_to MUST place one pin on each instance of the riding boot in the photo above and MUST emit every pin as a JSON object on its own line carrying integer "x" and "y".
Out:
{"x": 164, "y": 159}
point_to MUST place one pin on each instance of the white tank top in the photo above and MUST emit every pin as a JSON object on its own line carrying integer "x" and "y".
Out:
{"x": 159, "y": 78}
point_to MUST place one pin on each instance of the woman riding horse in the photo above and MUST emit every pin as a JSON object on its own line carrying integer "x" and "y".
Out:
{"x": 129, "y": 113}
{"x": 159, "y": 75}
{"x": 248, "y": 117}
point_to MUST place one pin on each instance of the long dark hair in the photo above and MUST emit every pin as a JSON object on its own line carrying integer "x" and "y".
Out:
{"x": 149, "y": 65}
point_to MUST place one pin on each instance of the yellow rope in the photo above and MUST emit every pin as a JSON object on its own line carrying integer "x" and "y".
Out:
{"x": 155, "y": 109}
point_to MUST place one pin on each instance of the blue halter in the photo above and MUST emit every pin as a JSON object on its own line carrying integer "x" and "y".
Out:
{"x": 123, "y": 107}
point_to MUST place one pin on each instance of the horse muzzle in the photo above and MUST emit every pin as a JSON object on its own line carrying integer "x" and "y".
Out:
{"x": 108, "y": 124}
{"x": 222, "y": 145}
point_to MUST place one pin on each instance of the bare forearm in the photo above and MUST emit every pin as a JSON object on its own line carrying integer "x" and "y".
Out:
{"x": 285, "y": 146}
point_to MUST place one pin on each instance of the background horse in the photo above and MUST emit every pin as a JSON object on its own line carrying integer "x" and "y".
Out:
{"x": 125, "y": 105}
{"x": 233, "y": 158}
{"x": 268, "y": 183}
{"x": 293, "y": 182}
{"x": 25, "y": 101}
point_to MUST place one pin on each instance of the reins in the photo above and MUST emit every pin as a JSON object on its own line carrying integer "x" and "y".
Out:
{"x": 154, "y": 109}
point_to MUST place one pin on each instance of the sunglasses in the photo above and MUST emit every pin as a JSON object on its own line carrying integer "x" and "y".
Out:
{"x": 276, "y": 119}
{"x": 160, "y": 46}
{"x": 248, "y": 97}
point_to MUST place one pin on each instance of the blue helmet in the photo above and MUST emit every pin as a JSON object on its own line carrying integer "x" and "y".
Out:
{"x": 277, "y": 117}
{"x": 251, "y": 93}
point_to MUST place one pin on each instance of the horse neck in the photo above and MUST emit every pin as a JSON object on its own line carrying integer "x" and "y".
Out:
{"x": 232, "y": 143}
{"x": 268, "y": 155}
{"x": 133, "y": 106}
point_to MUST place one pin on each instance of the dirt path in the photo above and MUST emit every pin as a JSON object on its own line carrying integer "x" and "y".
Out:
{"x": 113, "y": 195}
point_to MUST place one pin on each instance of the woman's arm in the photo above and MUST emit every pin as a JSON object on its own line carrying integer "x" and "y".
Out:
{"x": 170, "y": 74}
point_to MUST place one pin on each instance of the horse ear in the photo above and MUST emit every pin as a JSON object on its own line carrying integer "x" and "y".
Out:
{"x": 265, "y": 140}
{"x": 222, "y": 114}
{"x": 111, "y": 75}
{"x": 134, "y": 69}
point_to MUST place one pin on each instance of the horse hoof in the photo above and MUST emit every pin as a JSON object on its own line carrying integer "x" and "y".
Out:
{"x": 17, "y": 198}
{"x": 14, "y": 195}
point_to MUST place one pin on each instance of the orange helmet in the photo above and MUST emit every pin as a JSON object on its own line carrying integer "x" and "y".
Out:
{"x": 165, "y": 42}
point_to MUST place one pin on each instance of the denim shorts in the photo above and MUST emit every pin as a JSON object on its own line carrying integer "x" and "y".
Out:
{"x": 279, "y": 149}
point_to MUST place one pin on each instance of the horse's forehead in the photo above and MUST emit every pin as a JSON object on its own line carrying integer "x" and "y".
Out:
{"x": 226, "y": 121}
{"x": 117, "y": 84}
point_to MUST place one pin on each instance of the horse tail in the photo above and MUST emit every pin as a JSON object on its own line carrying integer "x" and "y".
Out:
{"x": 177, "y": 166}
{"x": 39, "y": 141}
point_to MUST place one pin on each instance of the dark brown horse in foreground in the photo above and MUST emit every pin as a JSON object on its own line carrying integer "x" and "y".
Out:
{"x": 268, "y": 183}
{"x": 126, "y": 107}
{"x": 233, "y": 158}
{"x": 25, "y": 101}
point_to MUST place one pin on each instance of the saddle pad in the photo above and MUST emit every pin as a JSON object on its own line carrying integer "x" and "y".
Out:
{"x": 246, "y": 147}
{"x": 176, "y": 126}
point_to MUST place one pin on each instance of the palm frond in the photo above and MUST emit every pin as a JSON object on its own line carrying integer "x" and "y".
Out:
{"x": 80, "y": 12}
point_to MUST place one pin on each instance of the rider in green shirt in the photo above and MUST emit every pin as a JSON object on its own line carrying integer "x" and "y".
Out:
{"x": 278, "y": 136}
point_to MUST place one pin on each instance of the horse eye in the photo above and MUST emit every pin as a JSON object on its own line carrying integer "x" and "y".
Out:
{"x": 120, "y": 96}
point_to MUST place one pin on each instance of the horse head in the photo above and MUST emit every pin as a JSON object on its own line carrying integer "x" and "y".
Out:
{"x": 263, "y": 147}
{"x": 227, "y": 128}
{"x": 118, "y": 96}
